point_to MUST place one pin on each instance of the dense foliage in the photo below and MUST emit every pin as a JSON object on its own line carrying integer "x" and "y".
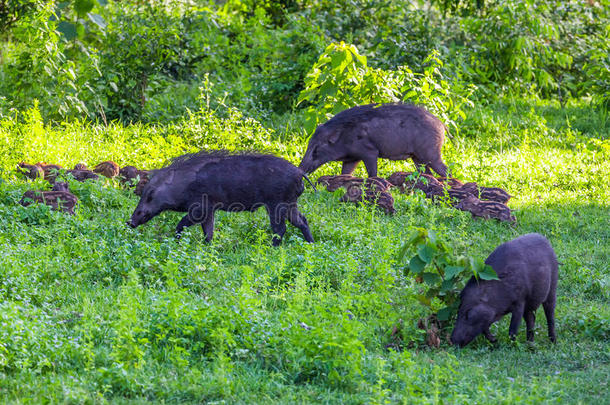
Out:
{"x": 92, "y": 311}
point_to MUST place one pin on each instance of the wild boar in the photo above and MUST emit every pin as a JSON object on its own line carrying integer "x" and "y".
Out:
{"x": 421, "y": 181}
{"x": 370, "y": 195}
{"x": 366, "y": 133}
{"x": 60, "y": 186}
{"x": 32, "y": 172}
{"x": 80, "y": 166}
{"x": 205, "y": 182}
{"x": 107, "y": 168}
{"x": 57, "y": 200}
{"x": 128, "y": 174}
{"x": 527, "y": 272}
{"x": 83, "y": 175}
{"x": 485, "y": 209}
{"x": 50, "y": 171}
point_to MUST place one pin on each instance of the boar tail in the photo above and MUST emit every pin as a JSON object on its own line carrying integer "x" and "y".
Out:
{"x": 309, "y": 181}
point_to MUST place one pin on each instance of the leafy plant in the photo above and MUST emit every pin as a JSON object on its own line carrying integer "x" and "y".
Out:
{"x": 341, "y": 79}
{"x": 445, "y": 275}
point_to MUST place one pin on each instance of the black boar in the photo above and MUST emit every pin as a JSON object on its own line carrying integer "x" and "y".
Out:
{"x": 202, "y": 183}
{"x": 366, "y": 133}
{"x": 527, "y": 269}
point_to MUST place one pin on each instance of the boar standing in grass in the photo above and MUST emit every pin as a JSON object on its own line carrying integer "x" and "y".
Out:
{"x": 527, "y": 272}
{"x": 205, "y": 182}
{"x": 369, "y": 132}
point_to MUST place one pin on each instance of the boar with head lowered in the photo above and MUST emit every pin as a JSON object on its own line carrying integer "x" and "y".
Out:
{"x": 366, "y": 133}
{"x": 527, "y": 272}
{"x": 202, "y": 183}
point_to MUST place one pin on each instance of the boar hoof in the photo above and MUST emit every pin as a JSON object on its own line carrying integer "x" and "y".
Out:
{"x": 491, "y": 337}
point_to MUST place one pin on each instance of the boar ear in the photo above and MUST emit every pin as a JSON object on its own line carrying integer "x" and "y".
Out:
{"x": 333, "y": 137}
{"x": 169, "y": 178}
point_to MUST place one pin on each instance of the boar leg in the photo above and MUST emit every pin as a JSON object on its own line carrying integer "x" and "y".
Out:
{"x": 549, "y": 312}
{"x": 277, "y": 217}
{"x": 297, "y": 219}
{"x": 349, "y": 167}
{"x": 515, "y": 320}
{"x": 439, "y": 167}
{"x": 207, "y": 225}
{"x": 530, "y": 322}
{"x": 371, "y": 165}
{"x": 489, "y": 336}
{"x": 184, "y": 222}
{"x": 421, "y": 166}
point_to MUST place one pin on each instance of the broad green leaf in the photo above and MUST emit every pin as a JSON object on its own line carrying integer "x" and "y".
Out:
{"x": 430, "y": 278}
{"x": 82, "y": 7}
{"x": 426, "y": 252}
{"x": 452, "y": 271}
{"x": 447, "y": 285}
{"x": 444, "y": 314}
{"x": 67, "y": 29}
{"x": 98, "y": 20}
{"x": 488, "y": 273}
{"x": 416, "y": 265}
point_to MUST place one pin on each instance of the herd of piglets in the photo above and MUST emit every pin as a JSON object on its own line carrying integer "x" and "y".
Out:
{"x": 484, "y": 202}
{"x": 60, "y": 198}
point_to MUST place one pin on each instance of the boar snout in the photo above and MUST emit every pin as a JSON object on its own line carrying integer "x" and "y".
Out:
{"x": 131, "y": 224}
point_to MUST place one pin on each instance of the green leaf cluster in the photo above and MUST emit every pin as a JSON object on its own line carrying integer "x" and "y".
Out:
{"x": 443, "y": 274}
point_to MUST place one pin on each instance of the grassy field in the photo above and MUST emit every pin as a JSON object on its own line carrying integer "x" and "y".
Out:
{"x": 92, "y": 311}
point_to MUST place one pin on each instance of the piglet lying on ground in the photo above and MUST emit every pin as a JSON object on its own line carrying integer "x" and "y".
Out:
{"x": 527, "y": 269}
{"x": 61, "y": 200}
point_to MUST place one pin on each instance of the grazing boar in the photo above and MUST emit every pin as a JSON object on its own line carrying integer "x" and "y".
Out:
{"x": 527, "y": 272}
{"x": 369, "y": 132}
{"x": 80, "y": 166}
{"x": 205, "y": 182}
{"x": 107, "y": 168}
{"x": 32, "y": 172}
{"x": 57, "y": 200}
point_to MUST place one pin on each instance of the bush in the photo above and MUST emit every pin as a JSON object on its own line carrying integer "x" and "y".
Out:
{"x": 444, "y": 274}
{"x": 342, "y": 79}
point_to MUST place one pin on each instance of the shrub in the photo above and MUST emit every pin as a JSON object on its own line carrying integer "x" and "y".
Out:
{"x": 443, "y": 273}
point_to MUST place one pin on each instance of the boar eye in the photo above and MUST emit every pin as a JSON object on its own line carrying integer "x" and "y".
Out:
{"x": 150, "y": 197}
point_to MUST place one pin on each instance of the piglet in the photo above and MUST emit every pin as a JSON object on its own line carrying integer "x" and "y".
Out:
{"x": 527, "y": 272}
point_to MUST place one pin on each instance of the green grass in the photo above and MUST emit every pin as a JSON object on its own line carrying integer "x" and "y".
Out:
{"x": 93, "y": 311}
